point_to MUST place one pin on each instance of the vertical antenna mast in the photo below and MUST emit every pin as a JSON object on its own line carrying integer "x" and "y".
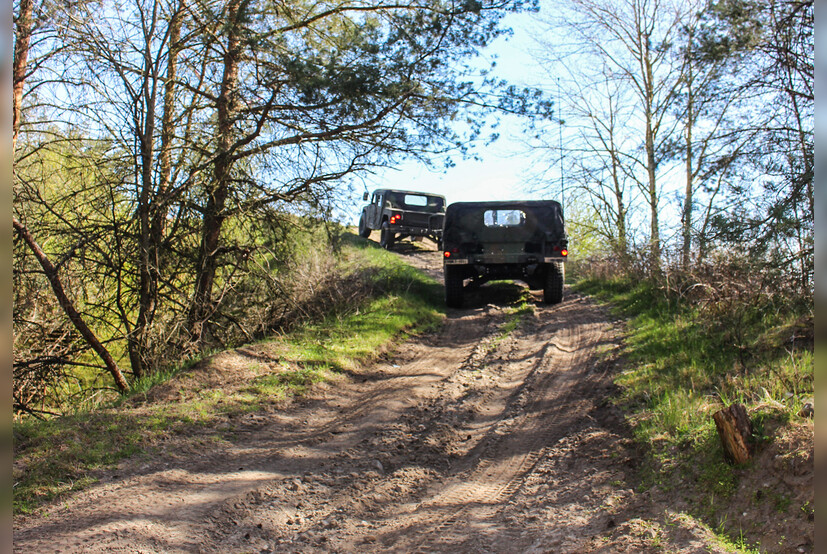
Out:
{"x": 560, "y": 122}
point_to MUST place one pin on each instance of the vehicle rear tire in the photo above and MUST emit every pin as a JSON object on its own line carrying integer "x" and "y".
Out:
{"x": 454, "y": 293}
{"x": 553, "y": 289}
{"x": 364, "y": 232}
{"x": 386, "y": 237}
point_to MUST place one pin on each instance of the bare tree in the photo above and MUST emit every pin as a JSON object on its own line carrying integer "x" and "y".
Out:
{"x": 629, "y": 43}
{"x": 28, "y": 21}
{"x": 600, "y": 165}
{"x": 127, "y": 52}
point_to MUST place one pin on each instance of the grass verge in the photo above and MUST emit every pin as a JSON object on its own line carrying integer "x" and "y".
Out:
{"x": 56, "y": 456}
{"x": 682, "y": 365}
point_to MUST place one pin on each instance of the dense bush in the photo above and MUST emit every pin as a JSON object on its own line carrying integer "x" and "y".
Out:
{"x": 291, "y": 271}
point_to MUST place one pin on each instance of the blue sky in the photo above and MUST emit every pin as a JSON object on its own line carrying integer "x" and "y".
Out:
{"x": 504, "y": 169}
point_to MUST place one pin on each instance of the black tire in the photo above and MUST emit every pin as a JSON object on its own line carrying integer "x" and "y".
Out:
{"x": 553, "y": 289}
{"x": 364, "y": 232}
{"x": 454, "y": 294}
{"x": 386, "y": 237}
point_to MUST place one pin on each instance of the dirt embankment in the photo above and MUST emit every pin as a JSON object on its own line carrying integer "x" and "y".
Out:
{"x": 470, "y": 439}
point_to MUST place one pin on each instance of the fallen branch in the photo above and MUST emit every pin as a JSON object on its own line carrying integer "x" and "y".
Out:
{"x": 74, "y": 316}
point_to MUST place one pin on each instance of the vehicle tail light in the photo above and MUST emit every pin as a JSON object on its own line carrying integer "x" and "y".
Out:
{"x": 396, "y": 218}
{"x": 446, "y": 254}
{"x": 564, "y": 252}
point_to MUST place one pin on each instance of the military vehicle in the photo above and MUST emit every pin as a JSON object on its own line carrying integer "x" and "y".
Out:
{"x": 400, "y": 214}
{"x": 524, "y": 240}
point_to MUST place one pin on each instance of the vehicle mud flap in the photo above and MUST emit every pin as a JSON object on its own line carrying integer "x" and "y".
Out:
{"x": 553, "y": 287}
{"x": 454, "y": 293}
{"x": 386, "y": 237}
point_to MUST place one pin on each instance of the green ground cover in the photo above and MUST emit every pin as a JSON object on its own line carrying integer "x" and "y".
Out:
{"x": 682, "y": 363}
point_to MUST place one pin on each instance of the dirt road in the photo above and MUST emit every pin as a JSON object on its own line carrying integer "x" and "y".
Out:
{"x": 481, "y": 437}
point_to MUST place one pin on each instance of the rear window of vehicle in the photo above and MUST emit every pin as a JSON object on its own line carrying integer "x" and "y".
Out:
{"x": 416, "y": 202}
{"x": 504, "y": 218}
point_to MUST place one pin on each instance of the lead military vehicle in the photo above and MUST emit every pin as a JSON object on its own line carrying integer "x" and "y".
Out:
{"x": 400, "y": 214}
{"x": 524, "y": 240}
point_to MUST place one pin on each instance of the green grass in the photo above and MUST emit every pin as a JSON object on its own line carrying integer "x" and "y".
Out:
{"x": 515, "y": 315}
{"x": 279, "y": 385}
{"x": 737, "y": 544}
{"x": 342, "y": 342}
{"x": 680, "y": 368}
{"x": 682, "y": 365}
{"x": 60, "y": 455}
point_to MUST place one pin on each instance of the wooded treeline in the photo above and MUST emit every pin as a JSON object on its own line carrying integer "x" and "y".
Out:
{"x": 171, "y": 157}
{"x": 686, "y": 134}
{"x": 166, "y": 150}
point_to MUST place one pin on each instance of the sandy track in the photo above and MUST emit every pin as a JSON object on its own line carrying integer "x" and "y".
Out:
{"x": 466, "y": 440}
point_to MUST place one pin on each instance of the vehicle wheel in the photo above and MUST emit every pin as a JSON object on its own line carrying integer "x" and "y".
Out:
{"x": 453, "y": 287}
{"x": 364, "y": 232}
{"x": 553, "y": 289}
{"x": 386, "y": 237}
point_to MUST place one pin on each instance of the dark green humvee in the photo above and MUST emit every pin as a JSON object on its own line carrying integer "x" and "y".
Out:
{"x": 524, "y": 240}
{"x": 400, "y": 214}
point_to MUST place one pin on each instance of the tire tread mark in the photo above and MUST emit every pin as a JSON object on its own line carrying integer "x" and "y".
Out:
{"x": 519, "y": 471}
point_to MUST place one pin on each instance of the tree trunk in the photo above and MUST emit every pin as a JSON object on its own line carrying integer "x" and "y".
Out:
{"x": 651, "y": 163}
{"x": 167, "y": 123}
{"x": 735, "y": 429}
{"x": 214, "y": 214}
{"x": 22, "y": 37}
{"x": 77, "y": 320}
{"x": 147, "y": 271}
{"x": 686, "y": 218}
{"x": 622, "y": 240}
{"x": 153, "y": 203}
{"x": 149, "y": 211}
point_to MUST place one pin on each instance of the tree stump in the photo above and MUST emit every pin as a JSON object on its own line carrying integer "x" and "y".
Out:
{"x": 735, "y": 429}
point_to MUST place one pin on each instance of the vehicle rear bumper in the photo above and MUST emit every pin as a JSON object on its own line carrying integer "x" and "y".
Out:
{"x": 415, "y": 231}
{"x": 504, "y": 259}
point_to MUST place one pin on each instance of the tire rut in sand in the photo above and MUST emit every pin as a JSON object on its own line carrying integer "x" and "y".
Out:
{"x": 391, "y": 458}
{"x": 172, "y": 506}
{"x": 541, "y": 409}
